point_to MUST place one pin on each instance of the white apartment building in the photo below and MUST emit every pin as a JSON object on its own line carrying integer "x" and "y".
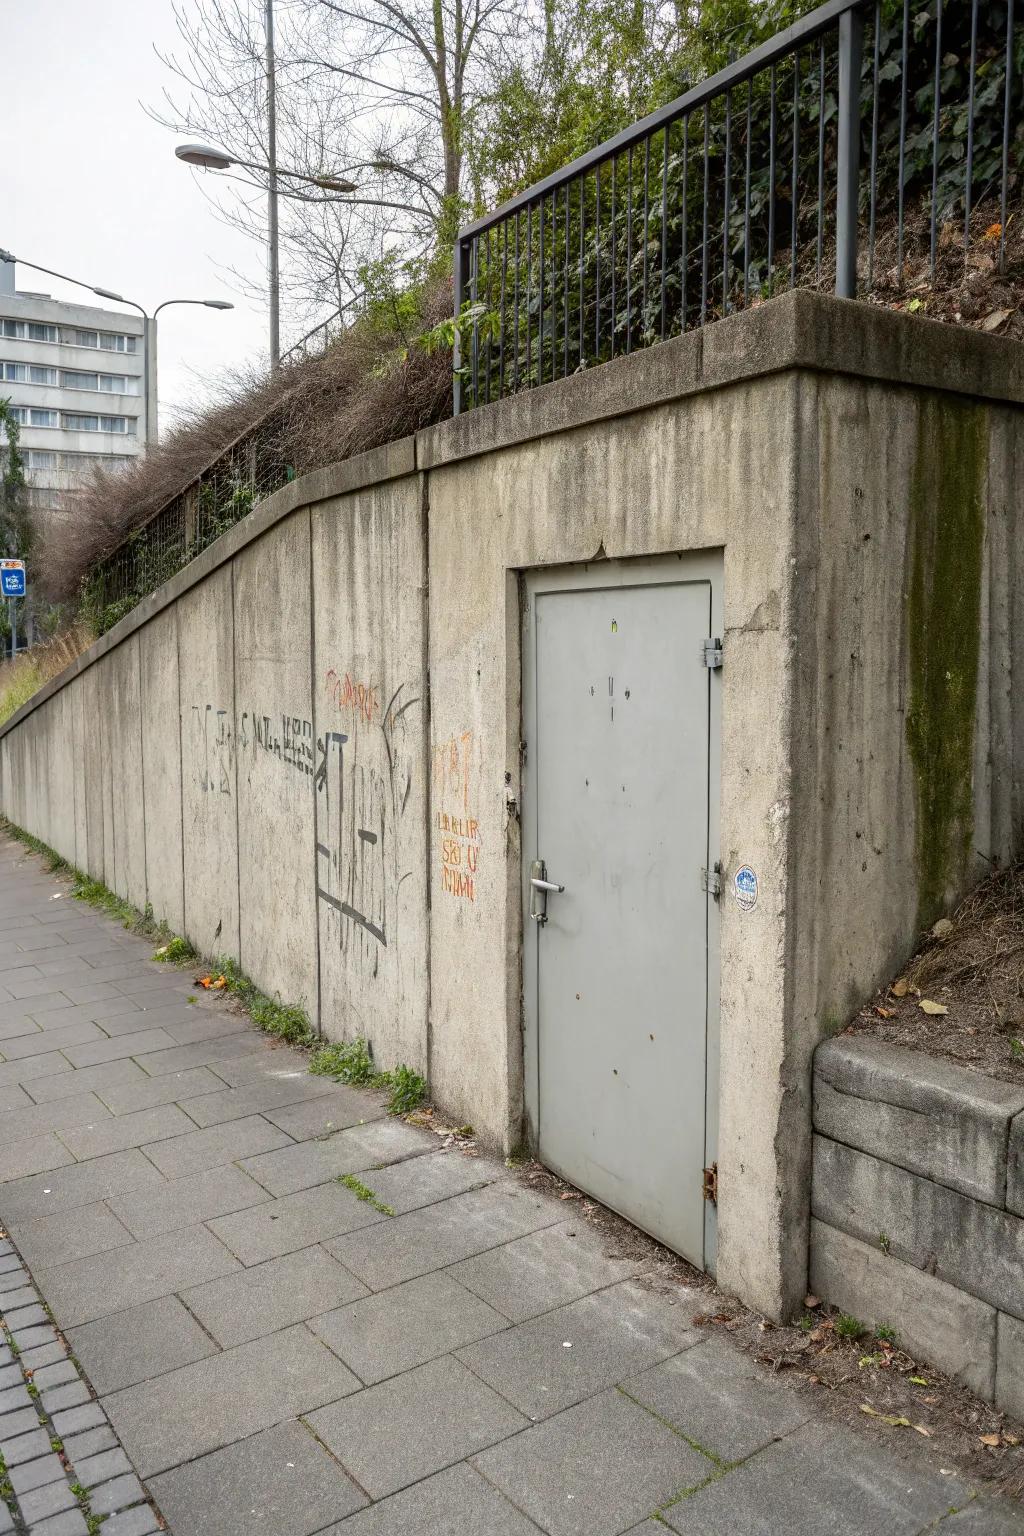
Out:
{"x": 75, "y": 377}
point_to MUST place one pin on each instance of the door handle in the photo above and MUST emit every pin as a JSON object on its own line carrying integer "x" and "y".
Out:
{"x": 539, "y": 887}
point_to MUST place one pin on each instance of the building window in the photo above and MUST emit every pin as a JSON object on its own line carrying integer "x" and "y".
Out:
{"x": 73, "y": 422}
{"x": 14, "y": 373}
{"x": 41, "y": 418}
{"x": 20, "y": 413}
{"x": 111, "y": 342}
{"x": 41, "y": 458}
{"x": 73, "y": 380}
{"x": 118, "y": 384}
{"x": 28, "y": 330}
{"x": 85, "y": 338}
{"x": 40, "y": 375}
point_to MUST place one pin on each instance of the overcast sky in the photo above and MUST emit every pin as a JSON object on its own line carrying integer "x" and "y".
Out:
{"x": 89, "y": 184}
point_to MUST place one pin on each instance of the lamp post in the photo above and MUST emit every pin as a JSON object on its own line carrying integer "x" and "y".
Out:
{"x": 209, "y": 159}
{"x": 149, "y": 393}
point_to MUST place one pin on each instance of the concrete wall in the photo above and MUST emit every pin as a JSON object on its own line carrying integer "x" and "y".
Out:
{"x": 918, "y": 1208}
{"x": 343, "y": 669}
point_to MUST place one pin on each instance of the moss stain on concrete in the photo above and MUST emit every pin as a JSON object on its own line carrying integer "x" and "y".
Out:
{"x": 947, "y": 535}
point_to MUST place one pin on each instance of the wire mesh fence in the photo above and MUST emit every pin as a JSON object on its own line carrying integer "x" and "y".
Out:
{"x": 776, "y": 172}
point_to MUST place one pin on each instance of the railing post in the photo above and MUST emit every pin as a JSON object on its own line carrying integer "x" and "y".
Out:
{"x": 460, "y": 285}
{"x": 851, "y": 42}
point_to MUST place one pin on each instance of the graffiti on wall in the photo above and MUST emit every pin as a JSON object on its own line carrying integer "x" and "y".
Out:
{"x": 458, "y": 827}
{"x": 289, "y": 738}
{"x": 363, "y": 779}
{"x": 211, "y": 749}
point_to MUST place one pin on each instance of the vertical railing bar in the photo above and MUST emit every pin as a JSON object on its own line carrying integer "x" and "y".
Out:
{"x": 613, "y": 244}
{"x": 664, "y": 220}
{"x": 728, "y": 198}
{"x": 969, "y": 171}
{"x": 540, "y": 292}
{"x": 933, "y": 243}
{"x": 583, "y": 223}
{"x": 529, "y": 293}
{"x": 795, "y": 178}
{"x": 487, "y": 342}
{"x": 1007, "y": 101}
{"x": 704, "y": 236}
{"x": 565, "y": 289}
{"x": 474, "y": 268}
{"x": 515, "y": 304}
{"x": 746, "y": 197}
{"x": 597, "y": 265}
{"x": 629, "y": 249}
{"x": 647, "y": 214}
{"x": 504, "y": 290}
{"x": 460, "y": 277}
{"x": 771, "y": 181}
{"x": 821, "y": 161}
{"x": 873, "y": 207}
{"x": 903, "y": 138}
{"x": 684, "y": 258}
{"x": 851, "y": 43}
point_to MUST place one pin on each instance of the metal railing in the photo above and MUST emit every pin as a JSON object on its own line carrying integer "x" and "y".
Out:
{"x": 748, "y": 184}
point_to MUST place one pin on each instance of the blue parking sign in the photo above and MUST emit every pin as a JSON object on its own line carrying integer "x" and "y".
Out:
{"x": 12, "y": 578}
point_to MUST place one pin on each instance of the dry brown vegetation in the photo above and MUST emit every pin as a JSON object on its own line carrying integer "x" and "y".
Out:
{"x": 372, "y": 385}
{"x": 21, "y": 678}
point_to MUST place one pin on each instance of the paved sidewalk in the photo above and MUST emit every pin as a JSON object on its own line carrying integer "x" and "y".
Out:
{"x": 269, "y": 1353}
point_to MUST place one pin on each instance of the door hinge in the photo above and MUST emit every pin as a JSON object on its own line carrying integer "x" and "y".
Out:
{"x": 711, "y": 881}
{"x": 712, "y": 654}
{"x": 711, "y": 1183}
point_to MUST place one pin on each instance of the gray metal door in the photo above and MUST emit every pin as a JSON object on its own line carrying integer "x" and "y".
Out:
{"x": 621, "y": 742}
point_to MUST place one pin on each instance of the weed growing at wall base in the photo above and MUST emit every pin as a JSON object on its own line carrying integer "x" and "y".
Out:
{"x": 93, "y": 892}
{"x": 351, "y": 1061}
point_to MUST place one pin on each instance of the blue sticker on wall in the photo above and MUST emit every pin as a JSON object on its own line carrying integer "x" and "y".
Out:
{"x": 745, "y": 885}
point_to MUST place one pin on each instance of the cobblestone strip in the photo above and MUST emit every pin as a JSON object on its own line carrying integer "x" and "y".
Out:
{"x": 62, "y": 1471}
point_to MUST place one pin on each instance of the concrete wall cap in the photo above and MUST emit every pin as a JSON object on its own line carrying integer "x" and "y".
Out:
{"x": 874, "y": 1069}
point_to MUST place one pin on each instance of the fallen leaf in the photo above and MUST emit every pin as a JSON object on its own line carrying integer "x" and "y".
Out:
{"x": 811, "y": 1301}
{"x": 993, "y": 232}
{"x": 1010, "y": 1439}
{"x": 993, "y": 321}
{"x": 919, "y": 1381}
{"x": 901, "y": 987}
{"x": 885, "y": 1013}
{"x": 204, "y": 981}
{"x": 892, "y": 1419}
{"x": 989, "y": 1439}
{"x": 922, "y": 1431}
{"x": 927, "y": 1006}
{"x": 914, "y": 306}
{"x": 941, "y": 928}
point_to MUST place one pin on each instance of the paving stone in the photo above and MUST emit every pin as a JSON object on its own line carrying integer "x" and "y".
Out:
{"x": 137, "y": 1044}
{"x": 17, "y": 1296}
{"x": 295, "y": 1221}
{"x": 264, "y": 1095}
{"x": 135, "y": 1023}
{"x": 79, "y": 1184}
{"x": 126, "y": 1277}
{"x": 258, "y": 1301}
{"x": 715, "y": 1396}
{"x": 26, "y": 1317}
{"x": 43, "y": 1354}
{"x": 391, "y": 1435}
{"x": 55, "y": 1375}
{"x": 422, "y": 1181}
{"x": 280, "y": 1482}
{"x": 77, "y": 1109}
{"x": 12, "y": 1398}
{"x": 267, "y": 1058}
{"x": 819, "y": 1480}
{"x": 38, "y": 1473}
{"x": 292, "y": 1168}
{"x": 133, "y": 1130}
{"x": 6, "y": 1520}
{"x": 552, "y": 1361}
{"x": 181, "y": 1202}
{"x": 13, "y": 1096}
{"x": 84, "y": 1032}
{"x": 171, "y": 1088}
{"x": 46, "y": 1064}
{"x": 74, "y": 1420}
{"x": 70, "y": 1523}
{"x": 207, "y": 1053}
{"x": 38, "y": 1503}
{"x": 139, "y": 1521}
{"x": 455, "y": 1500}
{"x": 333, "y": 1111}
{"x": 983, "y": 1516}
{"x": 202, "y": 1407}
{"x": 102, "y": 1467}
{"x": 67, "y": 1396}
{"x": 406, "y": 1246}
{"x": 25, "y": 1447}
{"x": 69, "y": 1235}
{"x": 89, "y": 1442}
{"x": 406, "y": 1326}
{"x": 215, "y": 1146}
{"x": 18, "y": 1422}
{"x": 17, "y": 1028}
{"x": 596, "y": 1469}
{"x": 9, "y": 1263}
{"x": 187, "y": 1028}
{"x": 86, "y": 1079}
{"x": 119, "y": 1493}
{"x": 36, "y": 1154}
{"x": 10, "y": 1373}
{"x": 32, "y": 1338}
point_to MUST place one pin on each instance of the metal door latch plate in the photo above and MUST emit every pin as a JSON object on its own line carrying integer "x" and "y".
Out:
{"x": 712, "y": 654}
{"x": 711, "y": 1183}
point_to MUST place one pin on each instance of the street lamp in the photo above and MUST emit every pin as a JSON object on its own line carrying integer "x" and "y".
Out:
{"x": 209, "y": 159}
{"x": 148, "y": 332}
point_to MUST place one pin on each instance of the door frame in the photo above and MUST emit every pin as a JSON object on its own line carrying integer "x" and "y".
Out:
{"x": 646, "y": 570}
